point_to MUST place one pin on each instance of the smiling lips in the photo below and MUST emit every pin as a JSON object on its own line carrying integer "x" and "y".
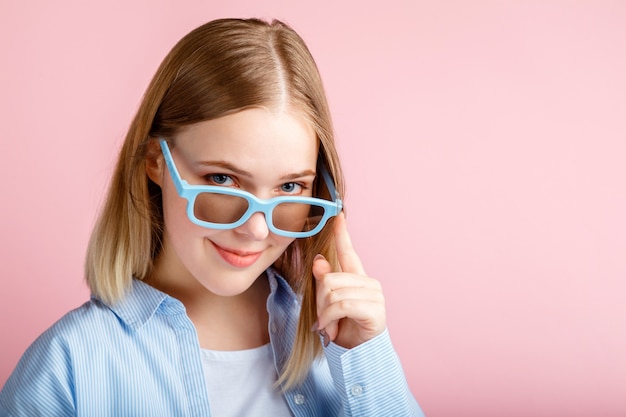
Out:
{"x": 236, "y": 258}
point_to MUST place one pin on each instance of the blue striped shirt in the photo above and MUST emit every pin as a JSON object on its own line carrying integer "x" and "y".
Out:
{"x": 141, "y": 357}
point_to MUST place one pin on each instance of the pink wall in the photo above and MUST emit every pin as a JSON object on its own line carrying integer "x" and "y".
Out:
{"x": 484, "y": 144}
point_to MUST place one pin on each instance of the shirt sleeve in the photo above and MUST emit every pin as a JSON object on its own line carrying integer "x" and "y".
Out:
{"x": 41, "y": 383}
{"x": 370, "y": 379}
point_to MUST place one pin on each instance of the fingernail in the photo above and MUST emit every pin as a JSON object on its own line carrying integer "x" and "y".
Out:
{"x": 326, "y": 337}
{"x": 318, "y": 256}
{"x": 315, "y": 326}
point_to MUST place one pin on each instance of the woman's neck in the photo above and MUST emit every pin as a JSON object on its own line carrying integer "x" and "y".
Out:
{"x": 233, "y": 323}
{"x": 223, "y": 323}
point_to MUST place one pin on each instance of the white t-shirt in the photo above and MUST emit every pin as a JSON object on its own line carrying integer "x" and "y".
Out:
{"x": 241, "y": 383}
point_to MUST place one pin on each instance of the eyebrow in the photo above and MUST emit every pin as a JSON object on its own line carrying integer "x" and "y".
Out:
{"x": 239, "y": 171}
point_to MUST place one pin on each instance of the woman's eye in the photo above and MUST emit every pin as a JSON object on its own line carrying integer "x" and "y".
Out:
{"x": 291, "y": 188}
{"x": 220, "y": 179}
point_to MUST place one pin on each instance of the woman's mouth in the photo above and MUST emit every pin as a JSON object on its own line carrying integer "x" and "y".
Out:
{"x": 236, "y": 258}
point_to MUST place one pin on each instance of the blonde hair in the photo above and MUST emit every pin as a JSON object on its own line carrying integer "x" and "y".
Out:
{"x": 221, "y": 67}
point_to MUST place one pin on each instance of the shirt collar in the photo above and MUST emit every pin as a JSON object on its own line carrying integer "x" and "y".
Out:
{"x": 141, "y": 301}
{"x": 277, "y": 282}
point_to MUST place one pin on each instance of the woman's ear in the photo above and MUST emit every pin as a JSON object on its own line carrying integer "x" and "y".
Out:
{"x": 154, "y": 162}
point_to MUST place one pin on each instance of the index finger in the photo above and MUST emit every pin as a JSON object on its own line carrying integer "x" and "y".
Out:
{"x": 347, "y": 256}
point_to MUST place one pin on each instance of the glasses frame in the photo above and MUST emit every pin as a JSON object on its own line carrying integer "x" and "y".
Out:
{"x": 255, "y": 205}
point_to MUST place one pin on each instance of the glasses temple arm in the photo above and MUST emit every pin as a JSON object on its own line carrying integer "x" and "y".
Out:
{"x": 331, "y": 187}
{"x": 169, "y": 161}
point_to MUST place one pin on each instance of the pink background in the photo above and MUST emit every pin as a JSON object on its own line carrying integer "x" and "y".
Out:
{"x": 484, "y": 146}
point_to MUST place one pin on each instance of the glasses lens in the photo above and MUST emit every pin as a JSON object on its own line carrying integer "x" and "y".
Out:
{"x": 219, "y": 208}
{"x": 227, "y": 209}
{"x": 297, "y": 217}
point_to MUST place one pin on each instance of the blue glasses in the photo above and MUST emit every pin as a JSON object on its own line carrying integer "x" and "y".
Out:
{"x": 222, "y": 208}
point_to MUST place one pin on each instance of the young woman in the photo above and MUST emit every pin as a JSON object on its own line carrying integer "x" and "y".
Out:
{"x": 223, "y": 277}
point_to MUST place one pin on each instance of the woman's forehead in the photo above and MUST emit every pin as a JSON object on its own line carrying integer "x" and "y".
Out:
{"x": 255, "y": 138}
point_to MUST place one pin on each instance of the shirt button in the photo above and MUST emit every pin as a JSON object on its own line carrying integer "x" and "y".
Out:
{"x": 298, "y": 399}
{"x": 356, "y": 390}
{"x": 272, "y": 328}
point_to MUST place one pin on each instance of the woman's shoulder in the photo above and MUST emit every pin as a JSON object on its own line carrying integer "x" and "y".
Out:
{"x": 96, "y": 319}
{"x": 47, "y": 363}
{"x": 75, "y": 327}
{"x": 94, "y": 340}
{"x": 88, "y": 334}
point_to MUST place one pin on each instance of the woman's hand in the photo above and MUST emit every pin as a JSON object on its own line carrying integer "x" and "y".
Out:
{"x": 350, "y": 305}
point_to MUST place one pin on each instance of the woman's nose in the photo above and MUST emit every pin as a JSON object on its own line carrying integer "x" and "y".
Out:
{"x": 255, "y": 227}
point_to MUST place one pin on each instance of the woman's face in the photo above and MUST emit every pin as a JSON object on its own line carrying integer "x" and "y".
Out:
{"x": 265, "y": 152}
